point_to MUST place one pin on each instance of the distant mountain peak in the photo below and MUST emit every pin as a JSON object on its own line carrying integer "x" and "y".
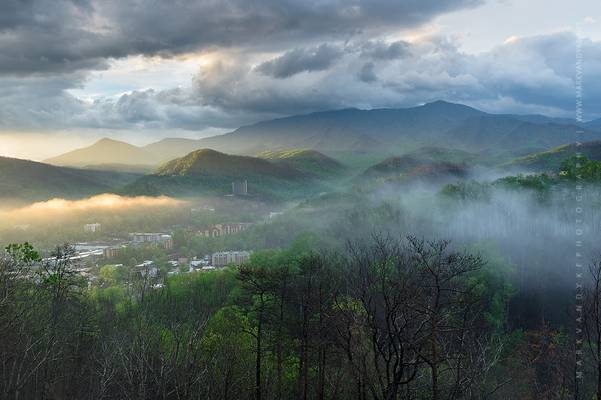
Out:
{"x": 108, "y": 140}
{"x": 440, "y": 102}
{"x": 447, "y": 105}
{"x": 104, "y": 151}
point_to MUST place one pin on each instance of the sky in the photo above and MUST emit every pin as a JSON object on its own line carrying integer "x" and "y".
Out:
{"x": 73, "y": 71}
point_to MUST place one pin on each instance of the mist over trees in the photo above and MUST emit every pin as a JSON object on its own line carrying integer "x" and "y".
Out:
{"x": 388, "y": 317}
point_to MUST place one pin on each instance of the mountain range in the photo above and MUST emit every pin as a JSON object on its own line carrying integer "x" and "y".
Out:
{"x": 288, "y": 156}
{"x": 209, "y": 172}
{"x": 379, "y": 130}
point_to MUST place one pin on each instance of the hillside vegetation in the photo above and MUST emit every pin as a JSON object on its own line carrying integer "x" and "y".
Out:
{"x": 28, "y": 180}
{"x": 305, "y": 160}
{"x": 424, "y": 163}
{"x": 551, "y": 160}
{"x": 214, "y": 163}
{"x": 209, "y": 172}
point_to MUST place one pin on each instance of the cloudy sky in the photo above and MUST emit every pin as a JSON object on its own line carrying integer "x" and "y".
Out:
{"x": 72, "y": 71}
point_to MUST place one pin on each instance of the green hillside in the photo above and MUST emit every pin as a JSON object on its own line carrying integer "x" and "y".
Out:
{"x": 170, "y": 148}
{"x": 305, "y": 160}
{"x": 423, "y": 159}
{"x": 24, "y": 180}
{"x": 209, "y": 162}
{"x": 209, "y": 172}
{"x": 551, "y": 160}
{"x": 427, "y": 165}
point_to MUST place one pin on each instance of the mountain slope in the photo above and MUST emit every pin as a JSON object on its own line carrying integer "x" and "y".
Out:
{"x": 28, "y": 180}
{"x": 105, "y": 152}
{"x": 308, "y": 161}
{"x": 509, "y": 132}
{"x": 213, "y": 163}
{"x": 550, "y": 160}
{"x": 209, "y": 172}
{"x": 170, "y": 148}
{"x": 594, "y": 124}
{"x": 431, "y": 164}
{"x": 349, "y": 129}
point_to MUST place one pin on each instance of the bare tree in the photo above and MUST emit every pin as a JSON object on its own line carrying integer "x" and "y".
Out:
{"x": 377, "y": 325}
{"x": 447, "y": 306}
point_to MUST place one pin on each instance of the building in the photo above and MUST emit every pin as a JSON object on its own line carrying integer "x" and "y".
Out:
{"x": 224, "y": 258}
{"x": 92, "y": 228}
{"x": 112, "y": 251}
{"x": 138, "y": 237}
{"x": 160, "y": 239}
{"x": 217, "y": 230}
{"x": 240, "y": 188}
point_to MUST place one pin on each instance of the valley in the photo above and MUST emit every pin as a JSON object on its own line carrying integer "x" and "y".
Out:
{"x": 136, "y": 223}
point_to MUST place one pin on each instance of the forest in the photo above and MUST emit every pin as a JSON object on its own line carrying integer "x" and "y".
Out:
{"x": 386, "y": 318}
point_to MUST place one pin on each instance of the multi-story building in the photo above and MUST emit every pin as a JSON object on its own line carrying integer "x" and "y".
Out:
{"x": 160, "y": 239}
{"x": 223, "y": 258}
{"x": 240, "y": 188}
{"x": 92, "y": 228}
{"x": 217, "y": 230}
{"x": 112, "y": 251}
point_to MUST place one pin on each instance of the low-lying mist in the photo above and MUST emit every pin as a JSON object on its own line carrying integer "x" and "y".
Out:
{"x": 50, "y": 223}
{"x": 61, "y": 208}
{"x": 530, "y": 235}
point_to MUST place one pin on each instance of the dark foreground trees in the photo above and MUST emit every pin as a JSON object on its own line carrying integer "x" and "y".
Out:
{"x": 387, "y": 319}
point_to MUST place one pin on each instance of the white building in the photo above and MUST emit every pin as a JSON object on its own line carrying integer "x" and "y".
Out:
{"x": 224, "y": 258}
{"x": 92, "y": 228}
{"x": 161, "y": 239}
{"x": 217, "y": 230}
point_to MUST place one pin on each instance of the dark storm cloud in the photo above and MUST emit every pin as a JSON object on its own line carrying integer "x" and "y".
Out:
{"x": 532, "y": 74}
{"x": 48, "y": 47}
{"x": 50, "y": 36}
{"x": 301, "y": 60}
{"x": 385, "y": 51}
{"x": 527, "y": 75}
{"x": 367, "y": 74}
